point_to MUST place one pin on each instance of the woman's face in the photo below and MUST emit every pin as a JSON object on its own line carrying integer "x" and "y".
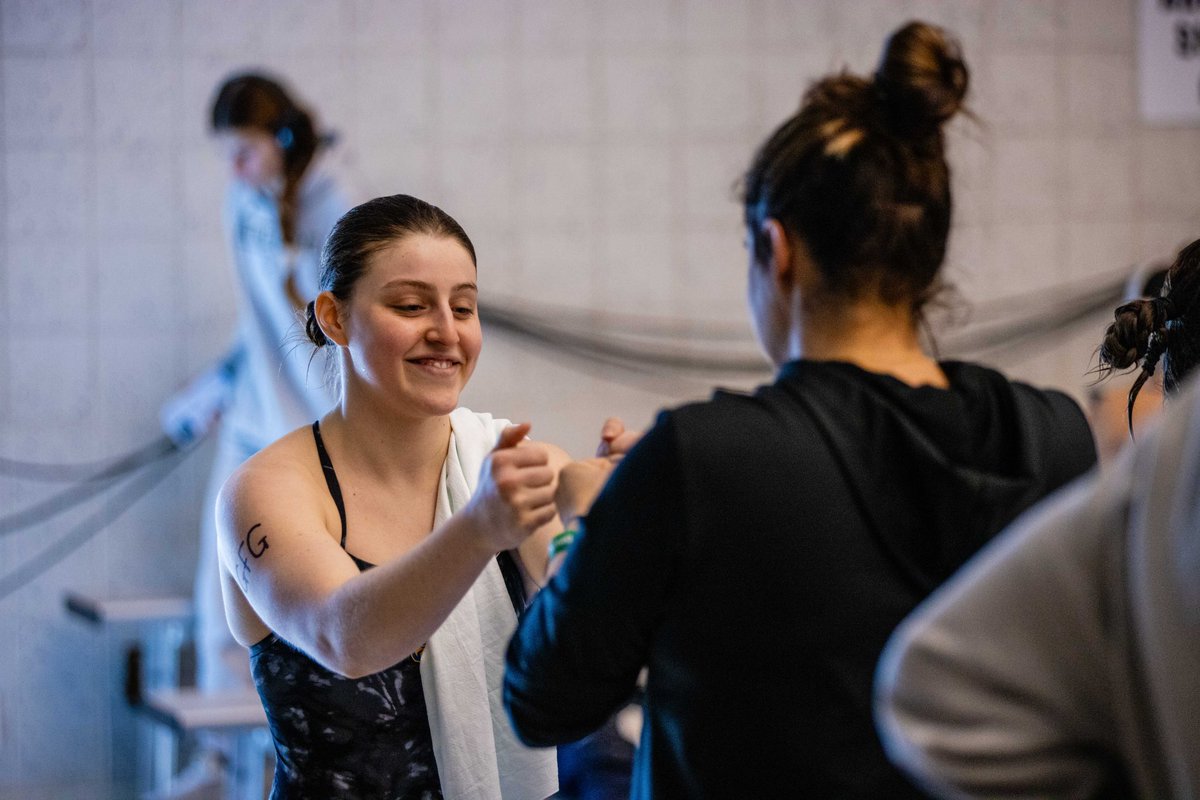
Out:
{"x": 412, "y": 327}
{"x": 254, "y": 156}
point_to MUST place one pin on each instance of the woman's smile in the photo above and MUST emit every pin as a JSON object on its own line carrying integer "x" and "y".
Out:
{"x": 436, "y": 365}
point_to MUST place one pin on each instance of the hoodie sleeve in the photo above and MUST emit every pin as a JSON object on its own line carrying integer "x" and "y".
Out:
{"x": 580, "y": 645}
{"x": 1067, "y": 446}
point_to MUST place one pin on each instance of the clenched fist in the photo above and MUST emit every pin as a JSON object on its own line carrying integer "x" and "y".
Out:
{"x": 515, "y": 495}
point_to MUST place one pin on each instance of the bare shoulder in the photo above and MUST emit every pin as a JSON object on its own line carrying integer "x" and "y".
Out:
{"x": 277, "y": 539}
{"x": 285, "y": 473}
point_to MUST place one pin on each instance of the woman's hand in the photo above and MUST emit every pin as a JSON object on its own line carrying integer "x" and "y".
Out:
{"x": 615, "y": 440}
{"x": 581, "y": 481}
{"x": 515, "y": 495}
{"x": 578, "y": 485}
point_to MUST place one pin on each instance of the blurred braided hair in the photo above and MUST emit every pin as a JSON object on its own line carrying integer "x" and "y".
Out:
{"x": 1166, "y": 328}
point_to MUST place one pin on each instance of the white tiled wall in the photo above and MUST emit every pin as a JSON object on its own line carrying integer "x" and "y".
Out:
{"x": 590, "y": 148}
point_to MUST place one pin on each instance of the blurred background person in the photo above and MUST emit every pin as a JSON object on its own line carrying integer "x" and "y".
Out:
{"x": 283, "y": 198}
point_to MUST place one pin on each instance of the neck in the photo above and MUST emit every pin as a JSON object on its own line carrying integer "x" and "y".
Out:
{"x": 378, "y": 440}
{"x": 868, "y": 333}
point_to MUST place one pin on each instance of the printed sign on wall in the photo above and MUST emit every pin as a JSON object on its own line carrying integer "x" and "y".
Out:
{"x": 1169, "y": 61}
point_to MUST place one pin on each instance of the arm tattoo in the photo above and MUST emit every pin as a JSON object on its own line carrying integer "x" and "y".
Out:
{"x": 242, "y": 568}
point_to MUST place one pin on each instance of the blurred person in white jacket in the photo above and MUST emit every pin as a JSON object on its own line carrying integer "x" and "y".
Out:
{"x": 280, "y": 205}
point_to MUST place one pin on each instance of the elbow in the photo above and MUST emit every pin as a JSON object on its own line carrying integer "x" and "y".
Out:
{"x": 336, "y": 659}
{"x": 343, "y": 640}
{"x": 340, "y": 657}
{"x": 523, "y": 693}
{"x": 528, "y": 724}
{"x": 890, "y": 691}
{"x": 525, "y": 705}
{"x": 550, "y": 697}
{"x": 544, "y": 713}
{"x": 915, "y": 706}
{"x": 352, "y": 671}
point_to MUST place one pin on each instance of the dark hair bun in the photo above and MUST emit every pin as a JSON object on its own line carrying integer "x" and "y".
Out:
{"x": 1127, "y": 339}
{"x": 315, "y": 334}
{"x": 922, "y": 79}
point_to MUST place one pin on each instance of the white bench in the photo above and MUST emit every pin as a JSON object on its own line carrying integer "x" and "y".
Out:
{"x": 160, "y": 626}
{"x": 238, "y": 713}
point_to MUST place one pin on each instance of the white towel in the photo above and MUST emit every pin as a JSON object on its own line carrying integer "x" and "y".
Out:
{"x": 478, "y": 755}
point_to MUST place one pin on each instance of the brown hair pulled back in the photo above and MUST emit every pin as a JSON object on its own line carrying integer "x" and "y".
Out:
{"x": 1167, "y": 326}
{"x": 860, "y": 173}
{"x": 365, "y": 230}
{"x": 257, "y": 102}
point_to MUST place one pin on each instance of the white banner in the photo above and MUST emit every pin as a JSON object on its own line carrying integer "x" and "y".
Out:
{"x": 1169, "y": 61}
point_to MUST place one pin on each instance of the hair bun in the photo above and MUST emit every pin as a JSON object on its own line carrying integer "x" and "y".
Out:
{"x": 315, "y": 334}
{"x": 1127, "y": 339}
{"x": 922, "y": 79}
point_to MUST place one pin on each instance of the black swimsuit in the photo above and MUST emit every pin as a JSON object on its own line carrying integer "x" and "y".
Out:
{"x": 338, "y": 737}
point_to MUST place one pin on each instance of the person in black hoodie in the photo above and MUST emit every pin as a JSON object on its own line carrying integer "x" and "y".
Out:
{"x": 755, "y": 552}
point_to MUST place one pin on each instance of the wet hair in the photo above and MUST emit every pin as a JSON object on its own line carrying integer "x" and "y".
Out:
{"x": 256, "y": 102}
{"x": 859, "y": 172}
{"x": 365, "y": 230}
{"x": 1165, "y": 327}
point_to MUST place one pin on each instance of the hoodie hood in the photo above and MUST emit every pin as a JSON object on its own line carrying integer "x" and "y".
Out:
{"x": 938, "y": 472}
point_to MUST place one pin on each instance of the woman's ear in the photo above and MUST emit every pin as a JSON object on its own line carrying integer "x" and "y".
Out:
{"x": 779, "y": 249}
{"x": 327, "y": 311}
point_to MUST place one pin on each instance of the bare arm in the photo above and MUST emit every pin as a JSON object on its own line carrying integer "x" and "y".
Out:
{"x": 303, "y": 586}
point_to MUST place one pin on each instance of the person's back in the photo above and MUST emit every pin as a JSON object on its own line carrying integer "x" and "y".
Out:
{"x": 787, "y": 534}
{"x": 874, "y": 494}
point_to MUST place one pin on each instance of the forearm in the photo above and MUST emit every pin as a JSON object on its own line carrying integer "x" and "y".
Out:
{"x": 557, "y": 688}
{"x": 379, "y": 617}
{"x": 586, "y": 636}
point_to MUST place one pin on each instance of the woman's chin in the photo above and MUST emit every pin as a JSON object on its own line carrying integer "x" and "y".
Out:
{"x": 437, "y": 405}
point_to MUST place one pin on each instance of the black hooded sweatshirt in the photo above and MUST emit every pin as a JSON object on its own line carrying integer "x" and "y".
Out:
{"x": 755, "y": 553}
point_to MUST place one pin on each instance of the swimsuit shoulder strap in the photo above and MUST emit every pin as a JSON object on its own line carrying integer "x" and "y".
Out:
{"x": 335, "y": 489}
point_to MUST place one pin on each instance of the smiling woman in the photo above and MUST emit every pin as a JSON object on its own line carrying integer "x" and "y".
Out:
{"x": 362, "y": 668}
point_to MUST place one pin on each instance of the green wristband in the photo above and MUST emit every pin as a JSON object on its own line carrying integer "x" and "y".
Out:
{"x": 561, "y": 543}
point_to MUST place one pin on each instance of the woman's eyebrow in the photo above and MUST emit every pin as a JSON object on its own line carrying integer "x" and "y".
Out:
{"x": 422, "y": 285}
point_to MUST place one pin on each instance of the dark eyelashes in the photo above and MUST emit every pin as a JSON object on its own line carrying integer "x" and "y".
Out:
{"x": 416, "y": 307}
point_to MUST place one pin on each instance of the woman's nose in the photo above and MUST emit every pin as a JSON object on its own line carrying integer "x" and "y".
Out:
{"x": 442, "y": 328}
